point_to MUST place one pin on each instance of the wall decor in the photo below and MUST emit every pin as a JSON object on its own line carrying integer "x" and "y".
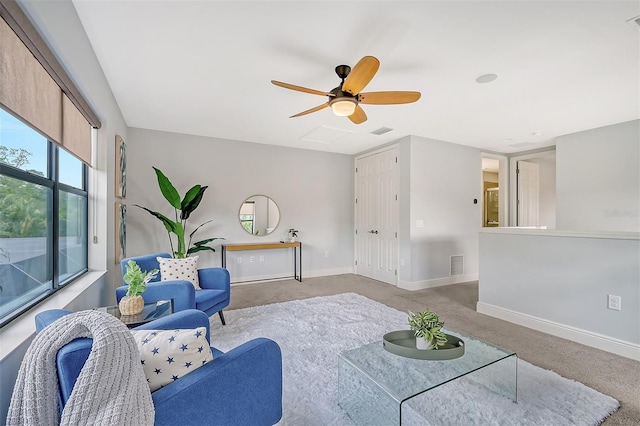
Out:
{"x": 121, "y": 168}
{"x": 120, "y": 228}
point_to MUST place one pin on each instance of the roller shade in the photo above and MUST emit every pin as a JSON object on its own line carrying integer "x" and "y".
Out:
{"x": 26, "y": 89}
{"x": 76, "y": 131}
{"x": 35, "y": 87}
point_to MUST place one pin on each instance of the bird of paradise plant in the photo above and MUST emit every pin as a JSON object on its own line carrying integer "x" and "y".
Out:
{"x": 185, "y": 206}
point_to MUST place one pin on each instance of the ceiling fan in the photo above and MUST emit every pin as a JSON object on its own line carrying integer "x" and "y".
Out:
{"x": 344, "y": 100}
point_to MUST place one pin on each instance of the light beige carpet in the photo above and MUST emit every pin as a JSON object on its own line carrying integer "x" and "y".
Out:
{"x": 610, "y": 374}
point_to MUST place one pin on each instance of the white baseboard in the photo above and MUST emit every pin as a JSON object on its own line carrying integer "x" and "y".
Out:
{"x": 589, "y": 338}
{"x": 437, "y": 282}
{"x": 255, "y": 279}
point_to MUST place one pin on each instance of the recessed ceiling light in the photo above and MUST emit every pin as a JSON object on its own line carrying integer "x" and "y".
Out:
{"x": 486, "y": 78}
{"x": 507, "y": 140}
{"x": 536, "y": 134}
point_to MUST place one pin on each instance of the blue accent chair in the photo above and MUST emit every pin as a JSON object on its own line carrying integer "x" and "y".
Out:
{"x": 240, "y": 387}
{"x": 214, "y": 296}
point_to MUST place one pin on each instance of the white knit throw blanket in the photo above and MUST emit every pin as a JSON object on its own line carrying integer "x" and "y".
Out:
{"x": 111, "y": 389}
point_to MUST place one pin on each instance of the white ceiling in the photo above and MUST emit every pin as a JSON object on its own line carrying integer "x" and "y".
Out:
{"x": 204, "y": 68}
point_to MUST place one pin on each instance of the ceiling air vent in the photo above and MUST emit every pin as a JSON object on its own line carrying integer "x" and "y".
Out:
{"x": 634, "y": 23}
{"x": 457, "y": 265}
{"x": 381, "y": 131}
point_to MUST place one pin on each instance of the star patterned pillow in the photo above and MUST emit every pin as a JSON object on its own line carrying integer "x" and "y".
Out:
{"x": 167, "y": 355}
{"x": 179, "y": 269}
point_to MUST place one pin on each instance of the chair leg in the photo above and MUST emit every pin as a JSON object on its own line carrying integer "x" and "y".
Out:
{"x": 222, "y": 318}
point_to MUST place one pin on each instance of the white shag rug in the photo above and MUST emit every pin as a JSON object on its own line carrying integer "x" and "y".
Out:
{"x": 312, "y": 332}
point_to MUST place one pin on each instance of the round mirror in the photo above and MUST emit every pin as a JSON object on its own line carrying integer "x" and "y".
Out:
{"x": 259, "y": 215}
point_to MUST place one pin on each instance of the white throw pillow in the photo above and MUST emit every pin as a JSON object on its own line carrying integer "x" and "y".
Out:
{"x": 167, "y": 355}
{"x": 179, "y": 269}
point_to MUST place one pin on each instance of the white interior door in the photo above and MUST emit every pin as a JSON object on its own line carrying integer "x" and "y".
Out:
{"x": 377, "y": 216}
{"x": 528, "y": 190}
{"x": 365, "y": 216}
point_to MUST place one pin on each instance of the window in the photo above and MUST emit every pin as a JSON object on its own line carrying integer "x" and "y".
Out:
{"x": 247, "y": 216}
{"x": 43, "y": 217}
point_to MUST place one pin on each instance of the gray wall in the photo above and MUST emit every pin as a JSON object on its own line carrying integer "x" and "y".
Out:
{"x": 445, "y": 178}
{"x": 563, "y": 278}
{"x": 314, "y": 192}
{"x": 598, "y": 179}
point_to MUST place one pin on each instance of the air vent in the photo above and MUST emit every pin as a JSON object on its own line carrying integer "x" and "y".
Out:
{"x": 634, "y": 23}
{"x": 522, "y": 144}
{"x": 381, "y": 131}
{"x": 457, "y": 265}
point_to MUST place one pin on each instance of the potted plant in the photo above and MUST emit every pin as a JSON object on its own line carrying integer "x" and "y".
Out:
{"x": 186, "y": 206}
{"x": 427, "y": 328}
{"x": 293, "y": 234}
{"x": 133, "y": 303}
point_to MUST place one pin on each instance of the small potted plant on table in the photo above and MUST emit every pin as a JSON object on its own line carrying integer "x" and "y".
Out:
{"x": 133, "y": 303}
{"x": 427, "y": 328}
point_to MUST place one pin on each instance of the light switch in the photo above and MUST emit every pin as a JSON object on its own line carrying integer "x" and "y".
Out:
{"x": 419, "y": 223}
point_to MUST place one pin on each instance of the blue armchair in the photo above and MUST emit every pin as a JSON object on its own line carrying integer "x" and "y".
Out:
{"x": 240, "y": 387}
{"x": 214, "y": 296}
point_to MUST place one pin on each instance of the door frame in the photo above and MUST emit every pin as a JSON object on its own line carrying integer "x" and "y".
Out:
{"x": 503, "y": 185}
{"x": 394, "y": 146}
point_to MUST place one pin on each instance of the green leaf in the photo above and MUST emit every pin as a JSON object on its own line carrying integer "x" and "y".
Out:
{"x": 192, "y": 204}
{"x": 168, "y": 190}
{"x": 196, "y": 249}
{"x": 189, "y": 196}
{"x": 168, "y": 223}
{"x": 200, "y": 226}
{"x": 208, "y": 240}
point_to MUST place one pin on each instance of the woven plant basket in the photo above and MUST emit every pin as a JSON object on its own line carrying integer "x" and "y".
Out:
{"x": 131, "y": 305}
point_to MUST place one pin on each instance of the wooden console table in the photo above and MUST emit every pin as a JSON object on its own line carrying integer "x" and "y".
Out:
{"x": 297, "y": 254}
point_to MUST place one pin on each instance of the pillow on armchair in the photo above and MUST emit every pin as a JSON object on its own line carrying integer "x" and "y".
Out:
{"x": 179, "y": 269}
{"x": 167, "y": 355}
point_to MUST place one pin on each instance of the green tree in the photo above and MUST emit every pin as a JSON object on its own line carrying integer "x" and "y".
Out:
{"x": 16, "y": 157}
{"x": 23, "y": 205}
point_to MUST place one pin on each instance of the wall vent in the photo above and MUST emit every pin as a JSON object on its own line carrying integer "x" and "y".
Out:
{"x": 457, "y": 265}
{"x": 381, "y": 131}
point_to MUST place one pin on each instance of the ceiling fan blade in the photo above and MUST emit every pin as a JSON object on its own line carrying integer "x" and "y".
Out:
{"x": 309, "y": 111}
{"x": 301, "y": 89}
{"x": 388, "y": 98}
{"x": 361, "y": 75}
{"x": 358, "y": 116}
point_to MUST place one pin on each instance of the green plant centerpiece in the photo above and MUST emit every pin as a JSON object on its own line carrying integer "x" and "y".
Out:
{"x": 293, "y": 234}
{"x": 185, "y": 206}
{"x": 427, "y": 328}
{"x": 133, "y": 303}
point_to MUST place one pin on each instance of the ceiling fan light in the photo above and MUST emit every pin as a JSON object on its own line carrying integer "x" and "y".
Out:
{"x": 343, "y": 107}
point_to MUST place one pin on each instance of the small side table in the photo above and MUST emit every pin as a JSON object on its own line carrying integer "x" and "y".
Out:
{"x": 151, "y": 311}
{"x": 297, "y": 255}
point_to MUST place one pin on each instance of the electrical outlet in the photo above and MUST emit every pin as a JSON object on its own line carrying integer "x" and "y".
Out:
{"x": 401, "y": 262}
{"x": 239, "y": 259}
{"x": 614, "y": 302}
{"x": 252, "y": 259}
{"x": 326, "y": 253}
{"x": 261, "y": 258}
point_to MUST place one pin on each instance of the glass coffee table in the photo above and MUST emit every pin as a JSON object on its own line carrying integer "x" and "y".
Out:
{"x": 151, "y": 311}
{"x": 377, "y": 387}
